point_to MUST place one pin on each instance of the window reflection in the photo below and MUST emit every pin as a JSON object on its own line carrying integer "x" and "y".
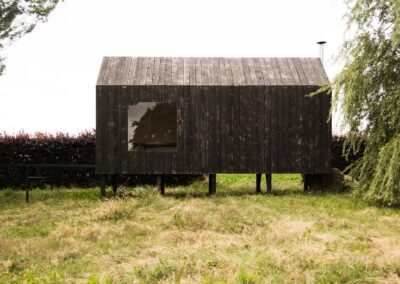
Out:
{"x": 152, "y": 125}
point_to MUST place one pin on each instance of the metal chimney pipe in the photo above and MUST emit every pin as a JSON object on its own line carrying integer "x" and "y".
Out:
{"x": 321, "y": 50}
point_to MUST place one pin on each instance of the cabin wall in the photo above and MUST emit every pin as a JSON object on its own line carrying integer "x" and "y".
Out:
{"x": 221, "y": 129}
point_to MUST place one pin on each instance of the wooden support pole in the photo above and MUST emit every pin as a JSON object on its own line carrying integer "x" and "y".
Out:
{"x": 103, "y": 186}
{"x": 161, "y": 184}
{"x": 258, "y": 183}
{"x": 212, "y": 184}
{"x": 305, "y": 182}
{"x": 114, "y": 183}
{"x": 268, "y": 178}
{"x": 323, "y": 182}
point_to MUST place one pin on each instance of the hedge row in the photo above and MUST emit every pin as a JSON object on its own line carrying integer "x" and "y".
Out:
{"x": 66, "y": 149}
{"x": 60, "y": 149}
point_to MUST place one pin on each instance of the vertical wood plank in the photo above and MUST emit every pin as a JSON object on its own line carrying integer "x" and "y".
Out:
{"x": 238, "y": 137}
{"x": 280, "y": 130}
{"x": 304, "y": 115}
{"x": 191, "y": 158}
{"x": 311, "y": 132}
{"x": 181, "y": 117}
{"x": 141, "y": 151}
{"x": 230, "y": 115}
{"x": 135, "y": 98}
{"x": 99, "y": 130}
{"x": 299, "y": 134}
{"x": 110, "y": 129}
{"x": 173, "y": 155}
{"x": 260, "y": 116}
{"x": 218, "y": 122}
{"x": 274, "y": 128}
{"x": 128, "y": 101}
{"x": 99, "y": 126}
{"x": 197, "y": 153}
{"x": 122, "y": 131}
{"x": 291, "y": 131}
{"x": 189, "y": 75}
{"x": 305, "y": 130}
{"x": 161, "y": 89}
{"x": 286, "y": 129}
{"x": 212, "y": 101}
{"x": 253, "y": 113}
{"x": 245, "y": 96}
{"x": 329, "y": 135}
{"x": 296, "y": 136}
{"x": 117, "y": 114}
{"x": 155, "y": 169}
{"x": 148, "y": 96}
{"x": 130, "y": 153}
{"x": 318, "y": 132}
{"x": 268, "y": 97}
{"x": 279, "y": 114}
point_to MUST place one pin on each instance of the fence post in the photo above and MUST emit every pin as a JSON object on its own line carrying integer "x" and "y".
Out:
{"x": 161, "y": 184}
{"x": 258, "y": 183}
{"x": 114, "y": 183}
{"x": 212, "y": 184}
{"x": 103, "y": 186}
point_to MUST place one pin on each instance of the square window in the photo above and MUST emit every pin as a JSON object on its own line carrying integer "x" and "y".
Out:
{"x": 152, "y": 126}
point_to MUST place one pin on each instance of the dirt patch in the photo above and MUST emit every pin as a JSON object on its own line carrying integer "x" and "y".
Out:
{"x": 287, "y": 230}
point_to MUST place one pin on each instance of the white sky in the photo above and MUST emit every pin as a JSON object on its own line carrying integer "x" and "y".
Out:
{"x": 49, "y": 85}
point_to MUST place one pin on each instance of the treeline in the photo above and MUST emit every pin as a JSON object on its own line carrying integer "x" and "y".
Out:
{"x": 22, "y": 149}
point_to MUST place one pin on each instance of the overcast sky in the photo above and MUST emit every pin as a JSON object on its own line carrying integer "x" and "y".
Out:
{"x": 49, "y": 85}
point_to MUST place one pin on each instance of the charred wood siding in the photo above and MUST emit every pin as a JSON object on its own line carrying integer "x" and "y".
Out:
{"x": 246, "y": 115}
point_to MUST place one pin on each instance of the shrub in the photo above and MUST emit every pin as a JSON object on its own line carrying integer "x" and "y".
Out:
{"x": 339, "y": 160}
{"x": 43, "y": 148}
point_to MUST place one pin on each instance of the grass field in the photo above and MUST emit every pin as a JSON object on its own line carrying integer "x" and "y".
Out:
{"x": 237, "y": 236}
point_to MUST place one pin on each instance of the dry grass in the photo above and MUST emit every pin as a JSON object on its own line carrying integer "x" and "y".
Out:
{"x": 71, "y": 236}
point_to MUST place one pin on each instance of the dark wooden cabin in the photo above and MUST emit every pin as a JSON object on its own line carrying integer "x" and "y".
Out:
{"x": 212, "y": 115}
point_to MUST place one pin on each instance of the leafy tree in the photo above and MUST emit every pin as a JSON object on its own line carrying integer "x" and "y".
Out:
{"x": 367, "y": 91}
{"x": 19, "y": 17}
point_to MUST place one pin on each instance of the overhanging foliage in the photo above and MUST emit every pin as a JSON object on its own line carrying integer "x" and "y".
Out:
{"x": 370, "y": 84}
{"x": 19, "y": 17}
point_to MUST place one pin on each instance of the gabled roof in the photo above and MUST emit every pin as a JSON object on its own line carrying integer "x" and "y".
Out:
{"x": 215, "y": 71}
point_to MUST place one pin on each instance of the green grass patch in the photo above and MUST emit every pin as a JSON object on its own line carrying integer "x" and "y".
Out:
{"x": 236, "y": 236}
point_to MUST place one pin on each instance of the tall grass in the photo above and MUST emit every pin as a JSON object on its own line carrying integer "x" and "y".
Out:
{"x": 237, "y": 236}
